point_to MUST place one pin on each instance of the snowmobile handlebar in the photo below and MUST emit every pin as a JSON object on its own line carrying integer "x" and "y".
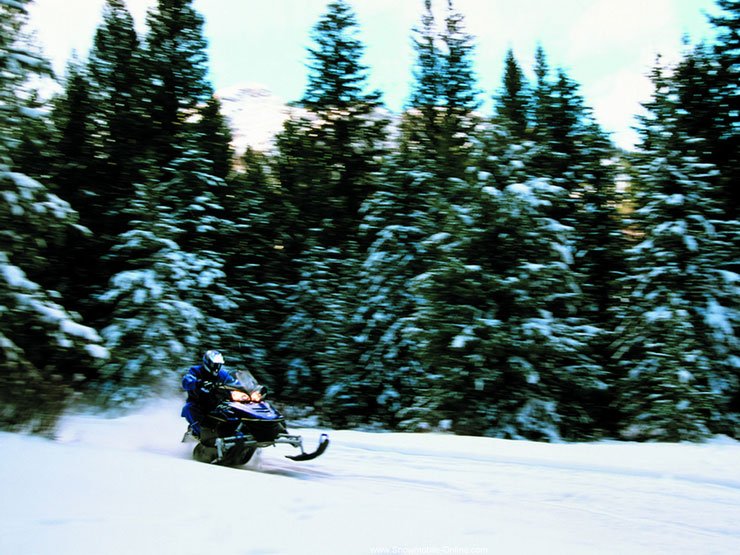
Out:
{"x": 207, "y": 386}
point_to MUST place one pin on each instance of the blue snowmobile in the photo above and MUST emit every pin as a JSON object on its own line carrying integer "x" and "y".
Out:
{"x": 242, "y": 421}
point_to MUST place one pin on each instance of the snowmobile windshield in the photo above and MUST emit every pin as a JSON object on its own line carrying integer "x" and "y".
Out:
{"x": 243, "y": 379}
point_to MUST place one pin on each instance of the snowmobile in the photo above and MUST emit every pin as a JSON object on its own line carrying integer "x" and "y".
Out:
{"x": 242, "y": 421}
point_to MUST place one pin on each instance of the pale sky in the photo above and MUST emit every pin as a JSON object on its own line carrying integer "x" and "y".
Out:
{"x": 607, "y": 46}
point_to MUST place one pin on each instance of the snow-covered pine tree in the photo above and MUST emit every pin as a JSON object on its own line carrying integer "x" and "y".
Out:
{"x": 565, "y": 146}
{"x": 327, "y": 163}
{"x": 382, "y": 382}
{"x": 302, "y": 173}
{"x": 171, "y": 299}
{"x": 99, "y": 149}
{"x": 677, "y": 344}
{"x": 498, "y": 327}
{"x": 705, "y": 83}
{"x": 167, "y": 305}
{"x": 315, "y": 346}
{"x": 498, "y": 322}
{"x": 599, "y": 253}
{"x": 44, "y": 348}
{"x": 726, "y": 154}
{"x": 582, "y": 160}
{"x": 257, "y": 228}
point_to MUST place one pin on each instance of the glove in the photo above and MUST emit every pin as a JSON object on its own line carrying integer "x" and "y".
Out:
{"x": 207, "y": 387}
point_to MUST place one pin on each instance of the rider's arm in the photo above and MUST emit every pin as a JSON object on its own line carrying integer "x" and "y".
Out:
{"x": 189, "y": 382}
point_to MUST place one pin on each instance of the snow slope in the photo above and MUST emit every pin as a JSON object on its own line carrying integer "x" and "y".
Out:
{"x": 126, "y": 485}
{"x": 255, "y": 115}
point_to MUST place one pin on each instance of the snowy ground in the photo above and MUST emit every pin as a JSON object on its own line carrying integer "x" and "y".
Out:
{"x": 126, "y": 485}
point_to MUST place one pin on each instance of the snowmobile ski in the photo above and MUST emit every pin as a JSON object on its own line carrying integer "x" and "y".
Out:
{"x": 323, "y": 444}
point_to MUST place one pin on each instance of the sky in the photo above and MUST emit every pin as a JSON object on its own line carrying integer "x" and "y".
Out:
{"x": 607, "y": 46}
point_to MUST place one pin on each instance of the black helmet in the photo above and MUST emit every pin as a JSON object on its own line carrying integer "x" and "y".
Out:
{"x": 213, "y": 361}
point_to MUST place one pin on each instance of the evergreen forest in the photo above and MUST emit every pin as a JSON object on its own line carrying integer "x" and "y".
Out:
{"x": 508, "y": 274}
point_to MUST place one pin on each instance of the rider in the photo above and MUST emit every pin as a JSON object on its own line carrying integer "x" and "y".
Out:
{"x": 196, "y": 383}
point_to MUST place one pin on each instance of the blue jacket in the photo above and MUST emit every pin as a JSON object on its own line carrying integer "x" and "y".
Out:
{"x": 195, "y": 377}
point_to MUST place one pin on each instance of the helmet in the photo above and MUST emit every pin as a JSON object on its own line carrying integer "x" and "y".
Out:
{"x": 212, "y": 361}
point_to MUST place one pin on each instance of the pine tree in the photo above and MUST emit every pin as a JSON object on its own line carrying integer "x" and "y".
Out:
{"x": 599, "y": 254}
{"x": 508, "y": 139}
{"x": 347, "y": 125}
{"x": 514, "y": 102}
{"x": 422, "y": 126}
{"x": 116, "y": 71}
{"x": 498, "y": 323}
{"x": 215, "y": 139}
{"x": 75, "y": 170}
{"x": 314, "y": 340}
{"x": 500, "y": 317}
{"x": 158, "y": 304}
{"x": 441, "y": 114}
{"x": 459, "y": 95}
{"x": 255, "y": 262}
{"x": 75, "y": 166}
{"x": 724, "y": 100}
{"x": 170, "y": 291}
{"x": 176, "y": 66}
{"x": 382, "y": 379}
{"x": 100, "y": 150}
{"x": 190, "y": 142}
{"x": 563, "y": 144}
{"x": 561, "y": 126}
{"x": 185, "y": 119}
{"x": 705, "y": 85}
{"x": 725, "y": 150}
{"x": 24, "y": 126}
{"x": 327, "y": 163}
{"x": 379, "y": 383}
{"x": 44, "y": 347}
{"x": 678, "y": 319}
